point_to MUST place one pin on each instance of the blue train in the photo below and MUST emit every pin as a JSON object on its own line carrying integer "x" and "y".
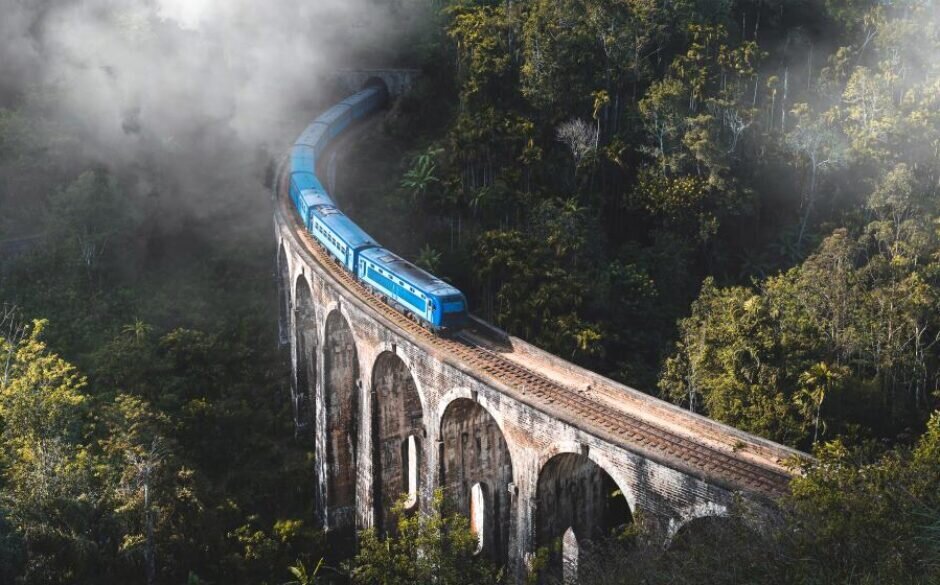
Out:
{"x": 409, "y": 289}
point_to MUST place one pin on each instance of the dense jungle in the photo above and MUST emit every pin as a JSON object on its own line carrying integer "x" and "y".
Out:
{"x": 733, "y": 205}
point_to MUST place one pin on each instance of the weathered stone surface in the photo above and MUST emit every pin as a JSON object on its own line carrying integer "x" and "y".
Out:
{"x": 475, "y": 453}
{"x": 378, "y": 387}
{"x": 341, "y": 406}
{"x": 305, "y": 353}
{"x": 398, "y": 411}
{"x": 399, "y": 436}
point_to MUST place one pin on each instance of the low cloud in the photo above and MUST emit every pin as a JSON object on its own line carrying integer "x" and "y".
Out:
{"x": 184, "y": 85}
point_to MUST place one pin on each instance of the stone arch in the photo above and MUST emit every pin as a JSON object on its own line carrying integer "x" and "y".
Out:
{"x": 283, "y": 296}
{"x": 377, "y": 81}
{"x": 576, "y": 494}
{"x": 305, "y": 355}
{"x": 398, "y": 434}
{"x": 599, "y": 457}
{"x": 712, "y": 529}
{"x": 692, "y": 514}
{"x": 341, "y": 407}
{"x": 713, "y": 543}
{"x": 474, "y": 451}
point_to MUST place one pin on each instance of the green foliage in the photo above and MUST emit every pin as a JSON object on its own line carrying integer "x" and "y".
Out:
{"x": 124, "y": 473}
{"x": 420, "y": 178}
{"x": 429, "y": 259}
{"x": 529, "y": 280}
{"x": 580, "y": 168}
{"x": 47, "y": 493}
{"x": 302, "y": 576}
{"x": 854, "y": 516}
{"x": 864, "y": 520}
{"x": 427, "y": 547}
{"x": 862, "y": 332}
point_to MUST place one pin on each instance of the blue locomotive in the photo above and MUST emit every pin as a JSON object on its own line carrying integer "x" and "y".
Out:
{"x": 411, "y": 290}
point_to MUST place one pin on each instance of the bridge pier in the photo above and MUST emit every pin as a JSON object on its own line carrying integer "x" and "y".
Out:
{"x": 531, "y": 448}
{"x": 395, "y": 417}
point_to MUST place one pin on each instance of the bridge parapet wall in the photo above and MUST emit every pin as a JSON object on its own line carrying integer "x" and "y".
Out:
{"x": 666, "y": 497}
{"x": 532, "y": 448}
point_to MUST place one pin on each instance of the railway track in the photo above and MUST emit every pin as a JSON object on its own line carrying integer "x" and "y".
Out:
{"x": 474, "y": 352}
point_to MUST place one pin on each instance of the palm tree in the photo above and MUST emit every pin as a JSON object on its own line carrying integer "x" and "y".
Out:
{"x": 301, "y": 576}
{"x": 138, "y": 330}
{"x": 421, "y": 176}
{"x": 815, "y": 384}
{"x": 428, "y": 258}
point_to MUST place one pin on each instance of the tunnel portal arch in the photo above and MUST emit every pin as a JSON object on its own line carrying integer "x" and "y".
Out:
{"x": 376, "y": 81}
{"x": 398, "y": 461}
{"x": 474, "y": 452}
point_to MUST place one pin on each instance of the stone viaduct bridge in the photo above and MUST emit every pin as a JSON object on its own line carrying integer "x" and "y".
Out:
{"x": 530, "y": 447}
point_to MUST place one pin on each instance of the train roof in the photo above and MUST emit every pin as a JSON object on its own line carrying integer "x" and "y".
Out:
{"x": 351, "y": 234}
{"x": 408, "y": 271}
{"x": 313, "y": 197}
{"x": 333, "y": 114}
{"x": 304, "y": 180}
{"x": 301, "y": 149}
{"x": 357, "y": 97}
{"x": 312, "y": 134}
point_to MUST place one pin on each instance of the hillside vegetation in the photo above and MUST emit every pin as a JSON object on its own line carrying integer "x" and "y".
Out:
{"x": 732, "y": 204}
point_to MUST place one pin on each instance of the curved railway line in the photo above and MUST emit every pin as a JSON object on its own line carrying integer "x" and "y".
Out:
{"x": 642, "y": 424}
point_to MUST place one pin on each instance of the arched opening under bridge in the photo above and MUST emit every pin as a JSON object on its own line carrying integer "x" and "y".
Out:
{"x": 398, "y": 461}
{"x": 474, "y": 453}
{"x": 305, "y": 357}
{"x": 577, "y": 503}
{"x": 341, "y": 403}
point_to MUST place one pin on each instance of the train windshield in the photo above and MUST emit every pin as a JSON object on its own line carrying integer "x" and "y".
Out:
{"x": 453, "y": 304}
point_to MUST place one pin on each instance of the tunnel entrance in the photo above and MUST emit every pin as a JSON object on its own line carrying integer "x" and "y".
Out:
{"x": 398, "y": 462}
{"x": 379, "y": 83}
{"x": 305, "y": 358}
{"x": 476, "y": 473}
{"x": 341, "y": 377}
{"x": 577, "y": 502}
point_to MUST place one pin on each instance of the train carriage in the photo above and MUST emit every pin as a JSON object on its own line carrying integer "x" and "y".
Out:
{"x": 337, "y": 119}
{"x": 310, "y": 200}
{"x": 303, "y": 159}
{"x": 339, "y": 235}
{"x": 316, "y": 136}
{"x": 418, "y": 292}
{"x": 365, "y": 101}
{"x": 303, "y": 182}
